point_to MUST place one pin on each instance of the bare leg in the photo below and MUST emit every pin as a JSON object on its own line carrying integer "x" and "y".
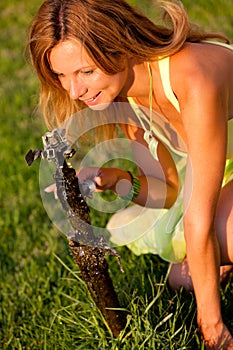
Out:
{"x": 224, "y": 224}
{"x": 179, "y": 275}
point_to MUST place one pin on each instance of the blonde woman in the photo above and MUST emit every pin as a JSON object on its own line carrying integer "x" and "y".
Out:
{"x": 89, "y": 54}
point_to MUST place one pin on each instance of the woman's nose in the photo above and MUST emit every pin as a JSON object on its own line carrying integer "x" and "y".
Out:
{"x": 76, "y": 89}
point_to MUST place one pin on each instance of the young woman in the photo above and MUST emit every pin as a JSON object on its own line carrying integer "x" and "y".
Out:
{"x": 93, "y": 53}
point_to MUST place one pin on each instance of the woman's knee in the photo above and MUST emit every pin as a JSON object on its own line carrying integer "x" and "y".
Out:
{"x": 224, "y": 223}
{"x": 179, "y": 276}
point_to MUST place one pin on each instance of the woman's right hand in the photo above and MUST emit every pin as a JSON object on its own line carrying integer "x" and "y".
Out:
{"x": 116, "y": 180}
{"x": 113, "y": 179}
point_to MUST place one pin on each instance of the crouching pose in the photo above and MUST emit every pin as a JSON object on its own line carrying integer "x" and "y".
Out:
{"x": 178, "y": 82}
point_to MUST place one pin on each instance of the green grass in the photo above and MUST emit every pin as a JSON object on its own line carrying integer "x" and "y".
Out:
{"x": 44, "y": 303}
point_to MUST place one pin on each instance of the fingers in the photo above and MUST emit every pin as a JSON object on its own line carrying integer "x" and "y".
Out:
{"x": 104, "y": 178}
{"x": 100, "y": 182}
{"x": 52, "y": 188}
{"x": 87, "y": 173}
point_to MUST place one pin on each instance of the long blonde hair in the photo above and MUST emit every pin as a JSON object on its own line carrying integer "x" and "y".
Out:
{"x": 109, "y": 30}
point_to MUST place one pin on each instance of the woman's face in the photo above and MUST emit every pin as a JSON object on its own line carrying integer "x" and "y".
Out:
{"x": 81, "y": 78}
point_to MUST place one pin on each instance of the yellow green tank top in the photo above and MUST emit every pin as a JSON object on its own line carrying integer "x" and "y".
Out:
{"x": 164, "y": 67}
{"x": 160, "y": 231}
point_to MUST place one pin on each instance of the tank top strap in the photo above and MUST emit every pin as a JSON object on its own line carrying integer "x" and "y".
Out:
{"x": 219, "y": 43}
{"x": 152, "y": 133}
{"x": 164, "y": 68}
{"x": 148, "y": 132}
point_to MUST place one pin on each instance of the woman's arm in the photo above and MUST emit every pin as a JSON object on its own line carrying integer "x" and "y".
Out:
{"x": 158, "y": 179}
{"x": 204, "y": 115}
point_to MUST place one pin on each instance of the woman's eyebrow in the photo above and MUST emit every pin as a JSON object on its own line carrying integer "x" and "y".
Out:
{"x": 76, "y": 70}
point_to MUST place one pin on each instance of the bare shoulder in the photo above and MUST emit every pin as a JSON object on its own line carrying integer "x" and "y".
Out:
{"x": 202, "y": 66}
{"x": 202, "y": 59}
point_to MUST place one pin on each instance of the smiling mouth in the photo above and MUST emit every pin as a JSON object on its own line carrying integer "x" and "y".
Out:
{"x": 93, "y": 98}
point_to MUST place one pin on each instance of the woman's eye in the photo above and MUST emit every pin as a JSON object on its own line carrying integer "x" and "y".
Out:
{"x": 59, "y": 75}
{"x": 88, "y": 72}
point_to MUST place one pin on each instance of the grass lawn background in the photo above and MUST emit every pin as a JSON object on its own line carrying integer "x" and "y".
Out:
{"x": 43, "y": 302}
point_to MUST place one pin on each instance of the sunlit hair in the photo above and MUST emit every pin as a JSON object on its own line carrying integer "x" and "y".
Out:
{"x": 109, "y": 30}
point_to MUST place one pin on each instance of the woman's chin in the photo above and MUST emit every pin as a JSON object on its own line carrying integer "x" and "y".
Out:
{"x": 100, "y": 107}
